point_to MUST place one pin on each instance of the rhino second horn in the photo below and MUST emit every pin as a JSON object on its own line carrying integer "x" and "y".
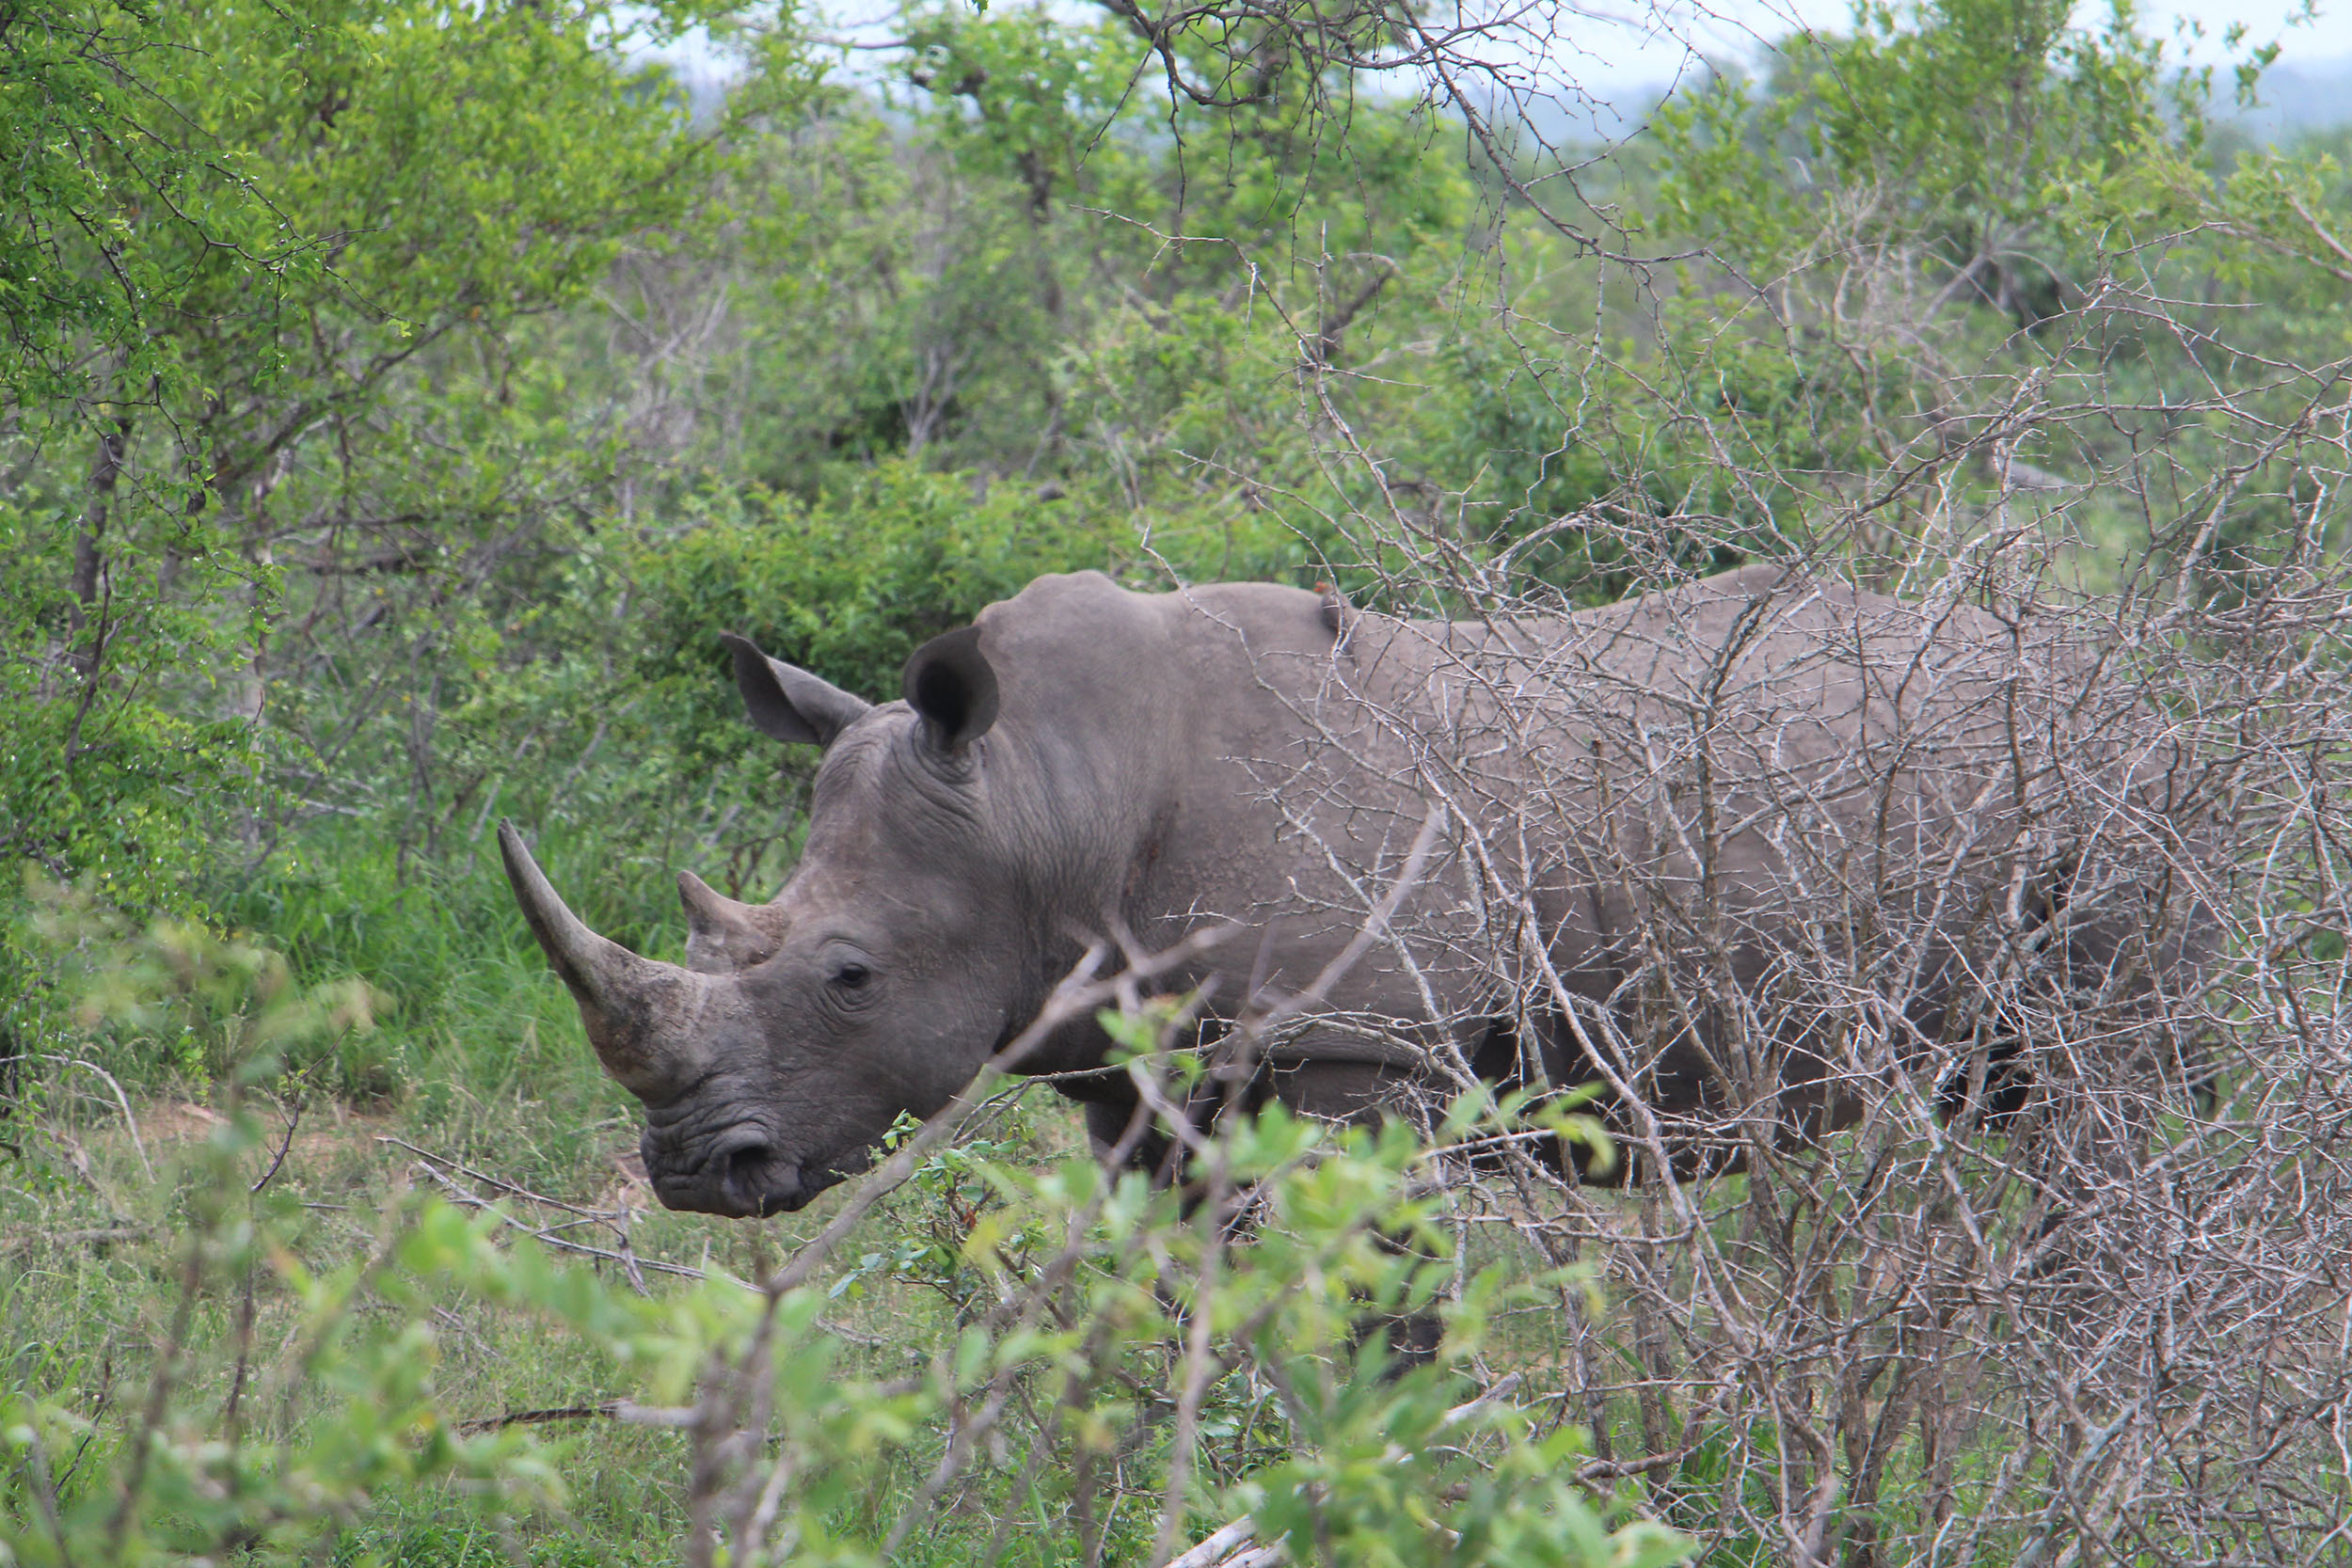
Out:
{"x": 637, "y": 1011}
{"x": 721, "y": 934}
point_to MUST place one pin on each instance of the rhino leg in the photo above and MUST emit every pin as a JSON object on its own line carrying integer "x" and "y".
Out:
{"x": 1364, "y": 1094}
{"x": 1121, "y": 1130}
{"x": 1352, "y": 1093}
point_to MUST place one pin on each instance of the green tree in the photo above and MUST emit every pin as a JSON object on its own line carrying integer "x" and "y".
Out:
{"x": 287, "y": 251}
{"x": 269, "y": 423}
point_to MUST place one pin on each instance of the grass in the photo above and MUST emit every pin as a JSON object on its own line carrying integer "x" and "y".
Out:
{"x": 101, "y": 1250}
{"x": 94, "y": 1250}
{"x": 474, "y": 1010}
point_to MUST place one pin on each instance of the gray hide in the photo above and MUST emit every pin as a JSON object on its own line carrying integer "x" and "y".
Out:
{"x": 1656, "y": 823}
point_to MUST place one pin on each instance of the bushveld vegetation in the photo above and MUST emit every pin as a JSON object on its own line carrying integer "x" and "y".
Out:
{"x": 395, "y": 401}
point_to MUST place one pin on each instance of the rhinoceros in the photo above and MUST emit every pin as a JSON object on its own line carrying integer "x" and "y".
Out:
{"x": 1676, "y": 838}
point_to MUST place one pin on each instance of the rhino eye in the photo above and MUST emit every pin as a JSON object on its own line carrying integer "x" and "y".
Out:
{"x": 850, "y": 977}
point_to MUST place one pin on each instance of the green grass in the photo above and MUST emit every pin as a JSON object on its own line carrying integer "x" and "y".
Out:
{"x": 391, "y": 1542}
{"x": 95, "y": 1250}
{"x": 474, "y": 1013}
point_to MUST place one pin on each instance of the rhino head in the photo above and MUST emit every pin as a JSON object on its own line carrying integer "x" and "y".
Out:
{"x": 881, "y": 980}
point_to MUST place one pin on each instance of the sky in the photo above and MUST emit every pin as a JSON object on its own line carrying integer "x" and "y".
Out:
{"x": 1633, "y": 47}
{"x": 1626, "y": 55}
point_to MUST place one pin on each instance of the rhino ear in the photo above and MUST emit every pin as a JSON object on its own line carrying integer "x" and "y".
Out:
{"x": 951, "y": 684}
{"x": 786, "y": 704}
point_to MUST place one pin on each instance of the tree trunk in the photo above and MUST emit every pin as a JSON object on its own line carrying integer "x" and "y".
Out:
{"x": 85, "y": 649}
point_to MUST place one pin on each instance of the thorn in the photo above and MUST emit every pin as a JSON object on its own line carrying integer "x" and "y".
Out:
{"x": 1337, "y": 611}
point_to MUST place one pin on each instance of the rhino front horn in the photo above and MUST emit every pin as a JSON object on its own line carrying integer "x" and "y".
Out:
{"x": 637, "y": 1011}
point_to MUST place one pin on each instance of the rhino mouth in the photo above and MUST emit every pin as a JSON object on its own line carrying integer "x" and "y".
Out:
{"x": 744, "y": 1176}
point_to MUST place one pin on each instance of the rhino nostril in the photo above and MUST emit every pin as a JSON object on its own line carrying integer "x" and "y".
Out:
{"x": 759, "y": 1180}
{"x": 747, "y": 1166}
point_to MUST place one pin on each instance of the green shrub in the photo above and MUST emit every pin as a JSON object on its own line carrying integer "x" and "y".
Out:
{"x": 846, "y": 585}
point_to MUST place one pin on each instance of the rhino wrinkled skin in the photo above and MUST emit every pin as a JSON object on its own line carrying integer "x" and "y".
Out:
{"x": 1087, "y": 759}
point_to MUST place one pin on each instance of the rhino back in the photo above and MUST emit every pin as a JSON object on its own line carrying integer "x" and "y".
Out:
{"x": 1228, "y": 752}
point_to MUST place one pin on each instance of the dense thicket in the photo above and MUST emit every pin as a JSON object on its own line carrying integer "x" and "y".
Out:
{"x": 398, "y": 402}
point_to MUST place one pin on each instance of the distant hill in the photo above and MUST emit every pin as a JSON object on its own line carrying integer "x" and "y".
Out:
{"x": 2291, "y": 99}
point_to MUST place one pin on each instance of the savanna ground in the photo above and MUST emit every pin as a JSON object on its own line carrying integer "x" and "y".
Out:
{"x": 396, "y": 399}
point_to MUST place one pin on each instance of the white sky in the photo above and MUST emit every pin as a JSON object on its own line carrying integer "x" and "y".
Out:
{"x": 1632, "y": 55}
{"x": 1657, "y": 40}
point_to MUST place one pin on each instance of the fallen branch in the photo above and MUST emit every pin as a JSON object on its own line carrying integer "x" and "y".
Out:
{"x": 137, "y": 1144}
{"x": 459, "y": 1195}
{"x": 605, "y": 1215}
{"x": 70, "y": 1238}
{"x": 1618, "y": 1469}
{"x": 465, "y": 1198}
{"x": 1234, "y": 1546}
{"x": 627, "y": 1412}
{"x": 480, "y": 1424}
